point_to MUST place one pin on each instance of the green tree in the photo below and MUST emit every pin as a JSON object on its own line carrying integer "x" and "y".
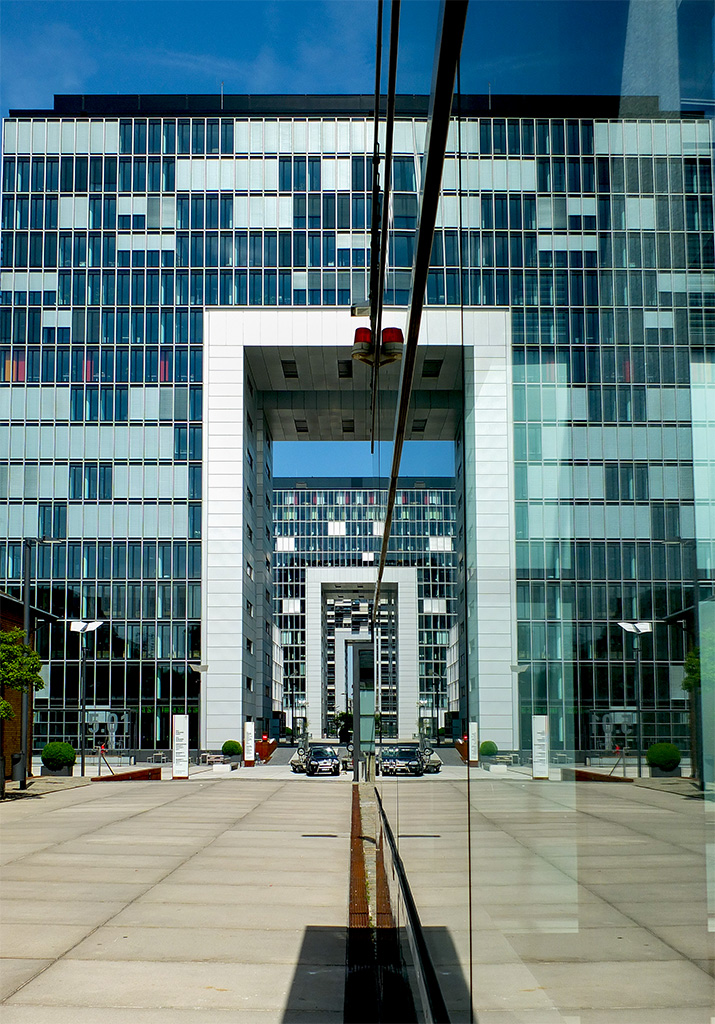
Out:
{"x": 19, "y": 670}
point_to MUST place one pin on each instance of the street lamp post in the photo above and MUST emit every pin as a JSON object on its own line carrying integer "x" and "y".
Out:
{"x": 637, "y": 629}
{"x": 199, "y": 670}
{"x": 83, "y": 626}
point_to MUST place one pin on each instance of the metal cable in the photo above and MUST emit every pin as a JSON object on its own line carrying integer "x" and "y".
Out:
{"x": 452, "y": 21}
{"x": 376, "y": 298}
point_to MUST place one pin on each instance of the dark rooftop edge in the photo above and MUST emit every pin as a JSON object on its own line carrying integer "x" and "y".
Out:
{"x": 313, "y": 105}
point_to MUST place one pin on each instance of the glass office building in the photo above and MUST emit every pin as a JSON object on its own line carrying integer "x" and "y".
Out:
{"x": 329, "y": 524}
{"x": 148, "y": 241}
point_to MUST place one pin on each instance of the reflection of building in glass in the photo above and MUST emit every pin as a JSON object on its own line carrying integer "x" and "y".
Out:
{"x": 175, "y": 296}
{"x": 327, "y": 530}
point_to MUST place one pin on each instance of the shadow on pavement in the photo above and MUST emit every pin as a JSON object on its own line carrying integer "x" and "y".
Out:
{"x": 317, "y": 989}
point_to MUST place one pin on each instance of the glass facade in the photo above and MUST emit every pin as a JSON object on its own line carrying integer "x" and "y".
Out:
{"x": 594, "y": 233}
{"x": 333, "y": 523}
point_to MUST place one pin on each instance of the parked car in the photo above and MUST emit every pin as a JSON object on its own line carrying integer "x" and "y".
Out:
{"x": 322, "y": 761}
{"x": 401, "y": 760}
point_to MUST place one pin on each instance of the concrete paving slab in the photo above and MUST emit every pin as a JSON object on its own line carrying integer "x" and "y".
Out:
{"x": 693, "y": 942}
{"x": 211, "y": 860}
{"x": 26, "y": 941}
{"x": 663, "y": 1015}
{"x": 238, "y": 875}
{"x": 556, "y": 918}
{"x": 607, "y": 985}
{"x": 140, "y": 1015}
{"x": 64, "y": 859}
{"x": 590, "y": 944}
{"x": 200, "y": 915}
{"x": 646, "y": 875}
{"x": 182, "y": 984}
{"x": 62, "y": 912}
{"x": 16, "y": 850}
{"x": 650, "y": 892}
{"x": 532, "y": 873}
{"x": 239, "y": 944}
{"x": 266, "y": 895}
{"x": 509, "y": 894}
{"x": 94, "y": 892}
{"x": 16, "y": 972}
{"x": 39, "y": 874}
{"x": 512, "y": 986}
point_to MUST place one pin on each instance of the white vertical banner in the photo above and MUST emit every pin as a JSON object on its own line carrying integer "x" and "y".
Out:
{"x": 540, "y": 746}
{"x": 249, "y": 744}
{"x": 473, "y": 742}
{"x": 180, "y": 747}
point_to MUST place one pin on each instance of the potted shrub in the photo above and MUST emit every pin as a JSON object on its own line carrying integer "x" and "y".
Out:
{"x": 58, "y": 759}
{"x": 487, "y": 751}
{"x": 232, "y": 750}
{"x": 664, "y": 760}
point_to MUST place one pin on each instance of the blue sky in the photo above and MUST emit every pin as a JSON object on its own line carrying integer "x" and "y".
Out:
{"x": 301, "y": 46}
{"x": 296, "y": 46}
{"x": 353, "y": 458}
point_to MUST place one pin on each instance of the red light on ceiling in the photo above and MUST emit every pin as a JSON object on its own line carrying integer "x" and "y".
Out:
{"x": 392, "y": 336}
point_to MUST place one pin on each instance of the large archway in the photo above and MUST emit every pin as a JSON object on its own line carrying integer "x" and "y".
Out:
{"x": 288, "y": 375}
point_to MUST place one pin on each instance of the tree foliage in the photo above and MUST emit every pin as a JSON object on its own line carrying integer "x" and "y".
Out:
{"x": 691, "y": 680}
{"x": 344, "y": 719}
{"x": 19, "y": 664}
{"x": 19, "y": 670}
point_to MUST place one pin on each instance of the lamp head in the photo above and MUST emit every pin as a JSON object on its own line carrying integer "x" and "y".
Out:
{"x": 84, "y": 626}
{"x": 637, "y": 627}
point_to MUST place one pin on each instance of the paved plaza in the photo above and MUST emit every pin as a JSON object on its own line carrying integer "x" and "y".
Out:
{"x": 224, "y": 899}
{"x": 214, "y": 899}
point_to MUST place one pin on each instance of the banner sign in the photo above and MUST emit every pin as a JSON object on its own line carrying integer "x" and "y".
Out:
{"x": 473, "y": 743}
{"x": 540, "y": 746}
{"x": 249, "y": 744}
{"x": 180, "y": 747}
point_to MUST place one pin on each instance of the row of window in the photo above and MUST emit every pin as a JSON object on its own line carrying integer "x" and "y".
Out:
{"x": 603, "y": 403}
{"x": 123, "y": 601}
{"x": 93, "y": 481}
{"x": 198, "y": 137}
{"x": 601, "y": 560}
{"x": 581, "y": 365}
{"x": 123, "y": 641}
{"x": 103, "y": 559}
{"x": 371, "y": 498}
{"x": 537, "y": 641}
{"x": 576, "y": 366}
{"x": 123, "y": 365}
{"x": 599, "y": 601}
